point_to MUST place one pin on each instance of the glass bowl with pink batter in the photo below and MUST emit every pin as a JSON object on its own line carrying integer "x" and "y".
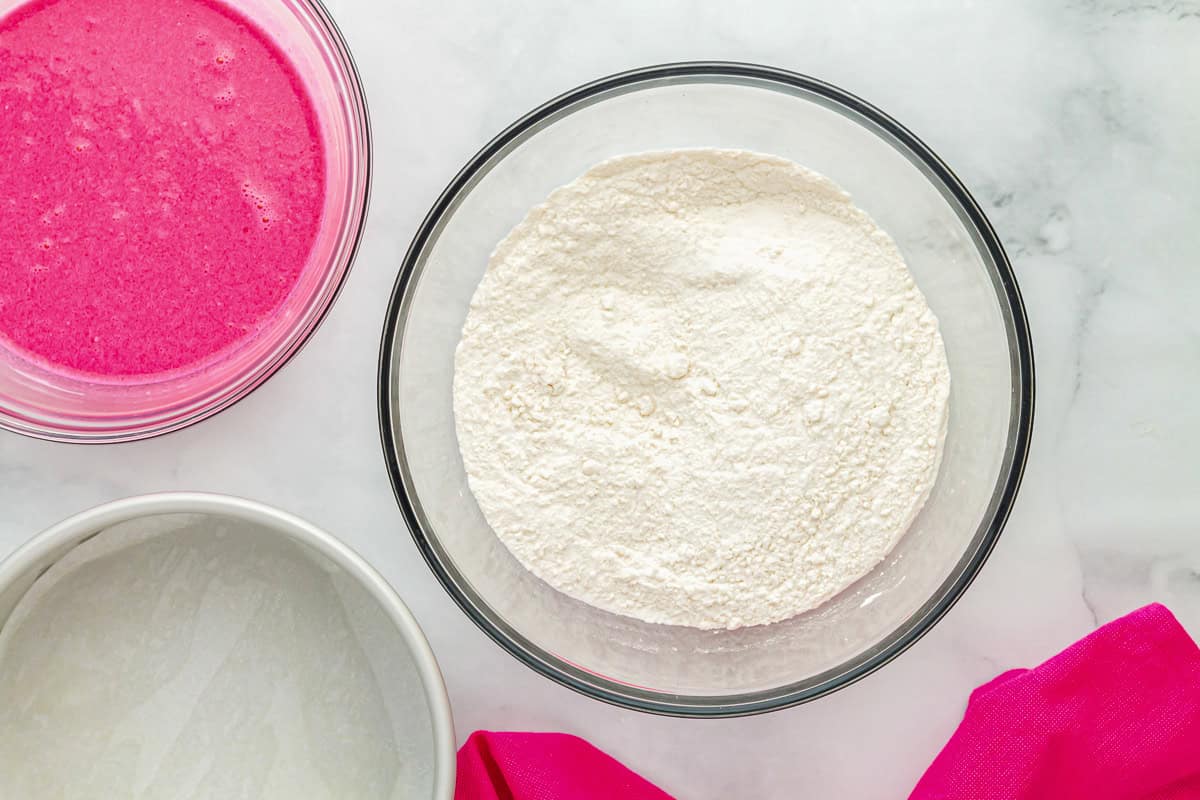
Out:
{"x": 186, "y": 185}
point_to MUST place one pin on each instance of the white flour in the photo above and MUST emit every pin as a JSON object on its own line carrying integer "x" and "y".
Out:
{"x": 700, "y": 388}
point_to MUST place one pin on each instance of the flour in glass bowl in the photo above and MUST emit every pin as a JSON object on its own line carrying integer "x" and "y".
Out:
{"x": 700, "y": 387}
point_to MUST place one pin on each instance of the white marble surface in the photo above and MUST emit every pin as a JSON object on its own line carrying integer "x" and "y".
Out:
{"x": 1076, "y": 125}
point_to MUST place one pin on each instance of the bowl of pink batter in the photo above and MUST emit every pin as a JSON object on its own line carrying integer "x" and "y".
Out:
{"x": 184, "y": 189}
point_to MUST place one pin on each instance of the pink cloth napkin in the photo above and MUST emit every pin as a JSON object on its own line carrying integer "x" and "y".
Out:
{"x": 1115, "y": 716}
{"x": 544, "y": 766}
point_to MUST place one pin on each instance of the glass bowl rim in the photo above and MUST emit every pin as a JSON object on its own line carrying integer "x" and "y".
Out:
{"x": 1020, "y": 427}
{"x": 204, "y": 405}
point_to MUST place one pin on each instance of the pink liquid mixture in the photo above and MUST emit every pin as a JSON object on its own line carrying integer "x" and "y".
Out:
{"x": 161, "y": 182}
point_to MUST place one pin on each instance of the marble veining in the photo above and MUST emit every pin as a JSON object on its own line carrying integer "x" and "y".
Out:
{"x": 1077, "y": 127}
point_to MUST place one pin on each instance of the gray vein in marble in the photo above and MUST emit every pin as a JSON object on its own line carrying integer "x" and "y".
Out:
{"x": 1089, "y": 303}
{"x": 1092, "y": 297}
{"x": 1175, "y": 10}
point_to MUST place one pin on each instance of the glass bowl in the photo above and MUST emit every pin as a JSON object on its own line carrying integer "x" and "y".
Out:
{"x": 958, "y": 263}
{"x": 53, "y": 404}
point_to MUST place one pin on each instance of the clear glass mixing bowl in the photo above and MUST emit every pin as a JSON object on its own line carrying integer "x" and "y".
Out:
{"x": 53, "y": 404}
{"x": 958, "y": 263}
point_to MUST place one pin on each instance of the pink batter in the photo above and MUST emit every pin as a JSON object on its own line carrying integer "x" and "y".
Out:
{"x": 161, "y": 182}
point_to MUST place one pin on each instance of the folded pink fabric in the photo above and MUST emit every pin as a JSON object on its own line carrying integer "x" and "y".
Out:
{"x": 1116, "y": 716}
{"x": 544, "y": 766}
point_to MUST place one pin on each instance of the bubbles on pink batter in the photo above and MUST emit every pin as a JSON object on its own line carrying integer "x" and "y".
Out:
{"x": 260, "y": 201}
{"x": 52, "y": 215}
{"x": 223, "y": 55}
{"x": 129, "y": 244}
